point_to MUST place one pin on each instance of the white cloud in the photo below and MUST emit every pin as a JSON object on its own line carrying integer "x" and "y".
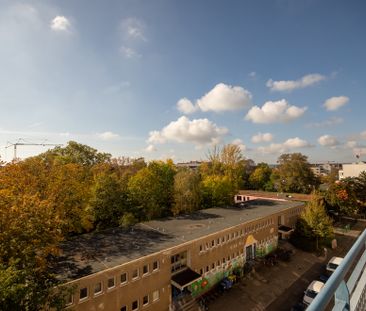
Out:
{"x": 185, "y": 106}
{"x": 150, "y": 148}
{"x": 328, "y": 140}
{"x": 133, "y": 29}
{"x": 334, "y": 103}
{"x": 107, "y": 135}
{"x": 183, "y": 130}
{"x": 272, "y": 112}
{"x": 296, "y": 143}
{"x": 252, "y": 74}
{"x": 259, "y": 138}
{"x": 240, "y": 144}
{"x": 222, "y": 97}
{"x": 363, "y": 135}
{"x": 290, "y": 143}
{"x": 60, "y": 23}
{"x": 289, "y": 85}
{"x": 326, "y": 123}
{"x": 129, "y": 52}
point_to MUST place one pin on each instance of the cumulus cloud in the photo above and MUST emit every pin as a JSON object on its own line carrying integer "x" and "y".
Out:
{"x": 328, "y": 141}
{"x": 222, "y": 97}
{"x": 334, "y": 103}
{"x": 259, "y": 138}
{"x": 150, "y": 148}
{"x": 272, "y": 112}
{"x": 185, "y": 106}
{"x": 290, "y": 85}
{"x": 290, "y": 143}
{"x": 183, "y": 130}
{"x": 60, "y": 23}
{"x": 238, "y": 142}
{"x": 107, "y": 135}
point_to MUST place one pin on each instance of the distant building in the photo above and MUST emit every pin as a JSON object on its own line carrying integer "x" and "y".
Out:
{"x": 191, "y": 164}
{"x": 352, "y": 170}
{"x": 163, "y": 265}
{"x": 325, "y": 169}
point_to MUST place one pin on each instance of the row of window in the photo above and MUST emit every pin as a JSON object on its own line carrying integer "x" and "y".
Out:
{"x": 220, "y": 263}
{"x": 98, "y": 288}
{"x": 145, "y": 301}
{"x": 224, "y": 239}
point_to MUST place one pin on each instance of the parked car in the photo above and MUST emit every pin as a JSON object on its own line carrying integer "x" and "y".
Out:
{"x": 333, "y": 263}
{"x": 313, "y": 289}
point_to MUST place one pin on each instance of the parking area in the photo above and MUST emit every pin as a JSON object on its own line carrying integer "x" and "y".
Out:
{"x": 281, "y": 286}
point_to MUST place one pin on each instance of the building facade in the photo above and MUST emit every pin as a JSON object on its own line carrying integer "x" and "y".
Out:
{"x": 352, "y": 170}
{"x": 152, "y": 266}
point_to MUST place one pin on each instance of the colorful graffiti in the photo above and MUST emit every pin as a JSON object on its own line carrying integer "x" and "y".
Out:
{"x": 209, "y": 280}
{"x": 266, "y": 248}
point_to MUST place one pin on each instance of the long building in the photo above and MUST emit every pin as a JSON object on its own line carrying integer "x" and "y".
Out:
{"x": 152, "y": 265}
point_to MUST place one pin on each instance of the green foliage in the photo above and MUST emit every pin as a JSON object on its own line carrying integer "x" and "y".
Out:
{"x": 217, "y": 191}
{"x": 314, "y": 222}
{"x": 127, "y": 220}
{"x": 109, "y": 200}
{"x": 187, "y": 192}
{"x": 260, "y": 179}
{"x": 294, "y": 174}
{"x": 151, "y": 190}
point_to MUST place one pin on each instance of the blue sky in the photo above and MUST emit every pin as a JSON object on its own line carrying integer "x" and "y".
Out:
{"x": 166, "y": 78}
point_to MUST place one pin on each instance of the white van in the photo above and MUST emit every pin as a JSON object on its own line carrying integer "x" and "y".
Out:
{"x": 333, "y": 263}
{"x": 313, "y": 289}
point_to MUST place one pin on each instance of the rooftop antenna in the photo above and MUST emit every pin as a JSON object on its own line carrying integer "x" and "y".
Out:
{"x": 22, "y": 142}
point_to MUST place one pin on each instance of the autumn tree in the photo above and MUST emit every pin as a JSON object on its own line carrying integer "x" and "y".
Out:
{"x": 218, "y": 191}
{"x": 316, "y": 223}
{"x": 187, "y": 192}
{"x": 109, "y": 200}
{"x": 151, "y": 190}
{"x": 294, "y": 174}
{"x": 260, "y": 178}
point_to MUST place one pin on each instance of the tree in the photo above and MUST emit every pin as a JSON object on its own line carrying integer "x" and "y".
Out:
{"x": 318, "y": 223}
{"x": 217, "y": 191}
{"x": 108, "y": 200}
{"x": 187, "y": 192}
{"x": 294, "y": 174}
{"x": 261, "y": 177}
{"x": 29, "y": 233}
{"x": 77, "y": 153}
{"x": 151, "y": 190}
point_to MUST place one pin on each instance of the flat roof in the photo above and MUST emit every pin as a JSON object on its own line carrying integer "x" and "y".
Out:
{"x": 93, "y": 252}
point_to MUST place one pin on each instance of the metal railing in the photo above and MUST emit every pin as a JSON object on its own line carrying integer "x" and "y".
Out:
{"x": 348, "y": 295}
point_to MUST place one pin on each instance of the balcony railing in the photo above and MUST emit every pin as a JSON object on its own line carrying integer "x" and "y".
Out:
{"x": 348, "y": 295}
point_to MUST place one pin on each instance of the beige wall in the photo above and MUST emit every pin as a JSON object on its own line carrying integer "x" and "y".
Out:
{"x": 201, "y": 254}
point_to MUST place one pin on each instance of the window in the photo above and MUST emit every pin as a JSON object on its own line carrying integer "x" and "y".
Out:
{"x": 156, "y": 265}
{"x": 201, "y": 271}
{"x": 213, "y": 243}
{"x": 83, "y": 293}
{"x": 223, "y": 239}
{"x": 123, "y": 278}
{"x": 145, "y": 300}
{"x": 223, "y": 260}
{"x": 111, "y": 282}
{"x": 135, "y": 274}
{"x": 201, "y": 248}
{"x": 123, "y": 308}
{"x": 98, "y": 288}
{"x": 155, "y": 295}
{"x": 207, "y": 268}
{"x": 135, "y": 305}
{"x": 218, "y": 263}
{"x": 145, "y": 269}
{"x": 213, "y": 266}
{"x": 69, "y": 300}
{"x": 218, "y": 241}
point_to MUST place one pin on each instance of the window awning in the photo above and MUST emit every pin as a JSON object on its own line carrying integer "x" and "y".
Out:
{"x": 185, "y": 278}
{"x": 285, "y": 229}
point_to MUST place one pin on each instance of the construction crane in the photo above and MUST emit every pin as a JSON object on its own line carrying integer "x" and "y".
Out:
{"x": 22, "y": 142}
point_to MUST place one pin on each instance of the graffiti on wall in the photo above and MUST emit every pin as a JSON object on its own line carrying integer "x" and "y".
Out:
{"x": 209, "y": 280}
{"x": 266, "y": 247}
